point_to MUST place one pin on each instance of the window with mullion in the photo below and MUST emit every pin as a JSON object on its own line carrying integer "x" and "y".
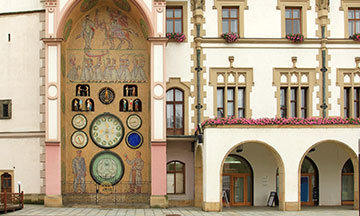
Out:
{"x": 174, "y": 19}
{"x": 175, "y": 177}
{"x": 347, "y": 102}
{"x": 283, "y": 103}
{"x": 356, "y": 102}
{"x": 175, "y": 111}
{"x": 230, "y": 101}
{"x": 220, "y": 102}
{"x": 354, "y": 21}
{"x": 230, "y": 19}
{"x": 303, "y": 102}
{"x": 293, "y": 20}
{"x": 241, "y": 102}
{"x": 293, "y": 102}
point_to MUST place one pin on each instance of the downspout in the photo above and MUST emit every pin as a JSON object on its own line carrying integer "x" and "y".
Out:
{"x": 324, "y": 106}
{"x": 198, "y": 72}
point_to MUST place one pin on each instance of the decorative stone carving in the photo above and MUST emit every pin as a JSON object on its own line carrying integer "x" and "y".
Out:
{"x": 197, "y": 4}
{"x": 323, "y": 4}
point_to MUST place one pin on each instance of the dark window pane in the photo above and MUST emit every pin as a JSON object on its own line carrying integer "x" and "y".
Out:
{"x": 5, "y": 110}
{"x": 179, "y": 115}
{"x": 169, "y": 115}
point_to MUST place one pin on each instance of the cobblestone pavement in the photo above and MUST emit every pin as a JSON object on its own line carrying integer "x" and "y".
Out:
{"x": 39, "y": 210}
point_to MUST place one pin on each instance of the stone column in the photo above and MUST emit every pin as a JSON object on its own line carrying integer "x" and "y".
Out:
{"x": 52, "y": 109}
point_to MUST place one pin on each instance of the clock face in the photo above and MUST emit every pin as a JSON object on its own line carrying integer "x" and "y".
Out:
{"x": 134, "y": 122}
{"x": 79, "y": 139}
{"x": 106, "y": 131}
{"x": 106, "y": 96}
{"x": 106, "y": 167}
{"x": 134, "y": 139}
{"x": 79, "y": 121}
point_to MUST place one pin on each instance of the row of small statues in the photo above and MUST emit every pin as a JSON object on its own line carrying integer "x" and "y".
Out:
{"x": 132, "y": 105}
{"x": 78, "y": 105}
{"x": 125, "y": 105}
{"x": 84, "y": 90}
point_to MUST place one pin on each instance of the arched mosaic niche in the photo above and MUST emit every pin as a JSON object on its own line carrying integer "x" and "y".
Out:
{"x": 105, "y": 47}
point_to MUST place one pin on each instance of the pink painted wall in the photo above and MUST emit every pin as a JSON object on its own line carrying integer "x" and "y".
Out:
{"x": 158, "y": 169}
{"x": 53, "y": 169}
{"x": 181, "y": 151}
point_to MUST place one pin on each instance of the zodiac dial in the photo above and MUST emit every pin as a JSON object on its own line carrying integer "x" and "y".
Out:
{"x": 79, "y": 139}
{"x": 79, "y": 121}
{"x": 134, "y": 122}
{"x": 106, "y": 131}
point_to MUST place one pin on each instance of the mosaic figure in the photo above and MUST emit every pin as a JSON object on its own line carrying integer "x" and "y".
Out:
{"x": 124, "y": 72}
{"x": 85, "y": 73}
{"x": 79, "y": 171}
{"x": 88, "y": 30}
{"x": 119, "y": 29}
{"x": 138, "y": 71}
{"x": 137, "y": 165}
{"x": 107, "y": 71}
{"x": 97, "y": 71}
{"x": 114, "y": 71}
{"x": 73, "y": 73}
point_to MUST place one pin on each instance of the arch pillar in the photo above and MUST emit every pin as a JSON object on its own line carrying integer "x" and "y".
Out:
{"x": 158, "y": 110}
{"x": 198, "y": 199}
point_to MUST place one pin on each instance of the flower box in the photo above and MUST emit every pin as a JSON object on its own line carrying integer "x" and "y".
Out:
{"x": 230, "y": 37}
{"x": 355, "y": 37}
{"x": 295, "y": 37}
{"x": 178, "y": 37}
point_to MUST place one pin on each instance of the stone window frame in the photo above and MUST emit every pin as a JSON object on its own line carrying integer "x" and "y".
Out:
{"x": 345, "y": 5}
{"x": 304, "y": 5}
{"x": 240, "y": 4}
{"x": 184, "y": 6}
{"x": 176, "y": 82}
{"x": 9, "y": 103}
{"x": 340, "y": 74}
{"x": 310, "y": 73}
{"x": 236, "y": 72}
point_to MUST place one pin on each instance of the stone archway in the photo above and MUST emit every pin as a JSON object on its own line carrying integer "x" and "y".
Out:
{"x": 274, "y": 155}
{"x": 330, "y": 182}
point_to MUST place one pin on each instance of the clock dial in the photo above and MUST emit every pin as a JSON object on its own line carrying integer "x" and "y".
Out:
{"x": 134, "y": 139}
{"x": 79, "y": 121}
{"x": 106, "y": 167}
{"x": 106, "y": 131}
{"x": 106, "y": 95}
{"x": 79, "y": 139}
{"x": 134, "y": 122}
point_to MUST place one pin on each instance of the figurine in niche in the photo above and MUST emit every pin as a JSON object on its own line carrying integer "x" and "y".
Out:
{"x": 87, "y": 92}
{"x": 133, "y": 93}
{"x": 89, "y": 105}
{"x": 137, "y": 105}
{"x": 123, "y": 105}
{"x": 131, "y": 105}
{"x": 78, "y": 91}
{"x": 129, "y": 91}
{"x": 126, "y": 91}
{"x": 80, "y": 105}
{"x": 76, "y": 105}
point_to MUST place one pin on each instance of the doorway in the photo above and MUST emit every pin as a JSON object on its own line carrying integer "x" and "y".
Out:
{"x": 237, "y": 181}
{"x": 6, "y": 183}
{"x": 309, "y": 189}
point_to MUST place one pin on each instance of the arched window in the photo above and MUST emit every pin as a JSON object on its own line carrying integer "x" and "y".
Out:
{"x": 347, "y": 183}
{"x": 175, "y": 177}
{"x": 175, "y": 112}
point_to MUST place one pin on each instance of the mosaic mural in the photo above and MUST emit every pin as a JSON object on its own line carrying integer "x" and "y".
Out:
{"x": 101, "y": 50}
